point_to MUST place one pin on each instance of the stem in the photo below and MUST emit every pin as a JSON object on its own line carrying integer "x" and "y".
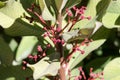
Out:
{"x": 64, "y": 27}
{"x": 71, "y": 27}
{"x": 59, "y": 48}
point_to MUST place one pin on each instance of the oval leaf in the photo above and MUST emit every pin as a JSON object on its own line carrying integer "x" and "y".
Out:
{"x": 48, "y": 66}
{"x": 112, "y": 70}
{"x": 25, "y": 47}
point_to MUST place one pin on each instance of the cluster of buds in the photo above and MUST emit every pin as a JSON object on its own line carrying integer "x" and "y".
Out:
{"x": 54, "y": 34}
{"x": 92, "y": 76}
{"x": 79, "y": 14}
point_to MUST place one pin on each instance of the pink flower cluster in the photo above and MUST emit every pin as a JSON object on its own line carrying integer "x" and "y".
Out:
{"x": 92, "y": 76}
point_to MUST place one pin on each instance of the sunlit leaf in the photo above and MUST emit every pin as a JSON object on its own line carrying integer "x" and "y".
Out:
{"x": 114, "y": 7}
{"x": 13, "y": 44}
{"x": 25, "y": 48}
{"x": 78, "y": 57}
{"x": 10, "y": 20}
{"x": 112, "y": 70}
{"x": 69, "y": 35}
{"x": 48, "y": 66}
{"x": 109, "y": 20}
{"x": 45, "y": 11}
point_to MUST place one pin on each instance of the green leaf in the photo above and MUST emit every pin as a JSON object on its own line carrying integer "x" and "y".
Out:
{"x": 101, "y": 33}
{"x": 25, "y": 48}
{"x": 112, "y": 70}
{"x": 10, "y": 20}
{"x": 13, "y": 44}
{"x": 41, "y": 4}
{"x": 47, "y": 15}
{"x": 114, "y": 7}
{"x": 14, "y": 73}
{"x": 21, "y": 28}
{"x": 58, "y": 4}
{"x": 48, "y": 66}
{"x": 102, "y": 7}
{"x": 109, "y": 20}
{"x": 13, "y": 9}
{"x": 99, "y": 38}
{"x": 45, "y": 10}
{"x": 6, "y": 54}
{"x": 113, "y": 13}
{"x": 78, "y": 57}
{"x": 69, "y": 35}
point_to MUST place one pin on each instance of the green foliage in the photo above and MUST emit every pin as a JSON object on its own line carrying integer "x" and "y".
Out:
{"x": 25, "y": 47}
{"x": 6, "y": 54}
{"x": 13, "y": 73}
{"x": 19, "y": 37}
{"x": 112, "y": 70}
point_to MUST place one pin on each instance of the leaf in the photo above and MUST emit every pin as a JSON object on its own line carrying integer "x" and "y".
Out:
{"x": 58, "y": 4}
{"x": 101, "y": 33}
{"x": 69, "y": 35}
{"x": 47, "y": 15}
{"x": 45, "y": 10}
{"x": 21, "y": 28}
{"x": 25, "y": 48}
{"x": 14, "y": 73}
{"x": 48, "y": 66}
{"x": 13, "y": 44}
{"x": 99, "y": 38}
{"x": 6, "y": 54}
{"x": 78, "y": 57}
{"x": 109, "y": 20}
{"x": 113, "y": 13}
{"x": 41, "y": 4}
{"x": 13, "y": 24}
{"x": 114, "y": 7}
{"x": 112, "y": 70}
{"x": 101, "y": 8}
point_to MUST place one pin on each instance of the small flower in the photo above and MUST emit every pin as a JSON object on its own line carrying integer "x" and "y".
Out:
{"x": 82, "y": 17}
{"x": 30, "y": 57}
{"x": 82, "y": 72}
{"x": 74, "y": 8}
{"x": 44, "y": 54}
{"x": 48, "y": 45}
{"x": 39, "y": 48}
{"x": 35, "y": 57}
{"x": 89, "y": 17}
{"x": 69, "y": 13}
